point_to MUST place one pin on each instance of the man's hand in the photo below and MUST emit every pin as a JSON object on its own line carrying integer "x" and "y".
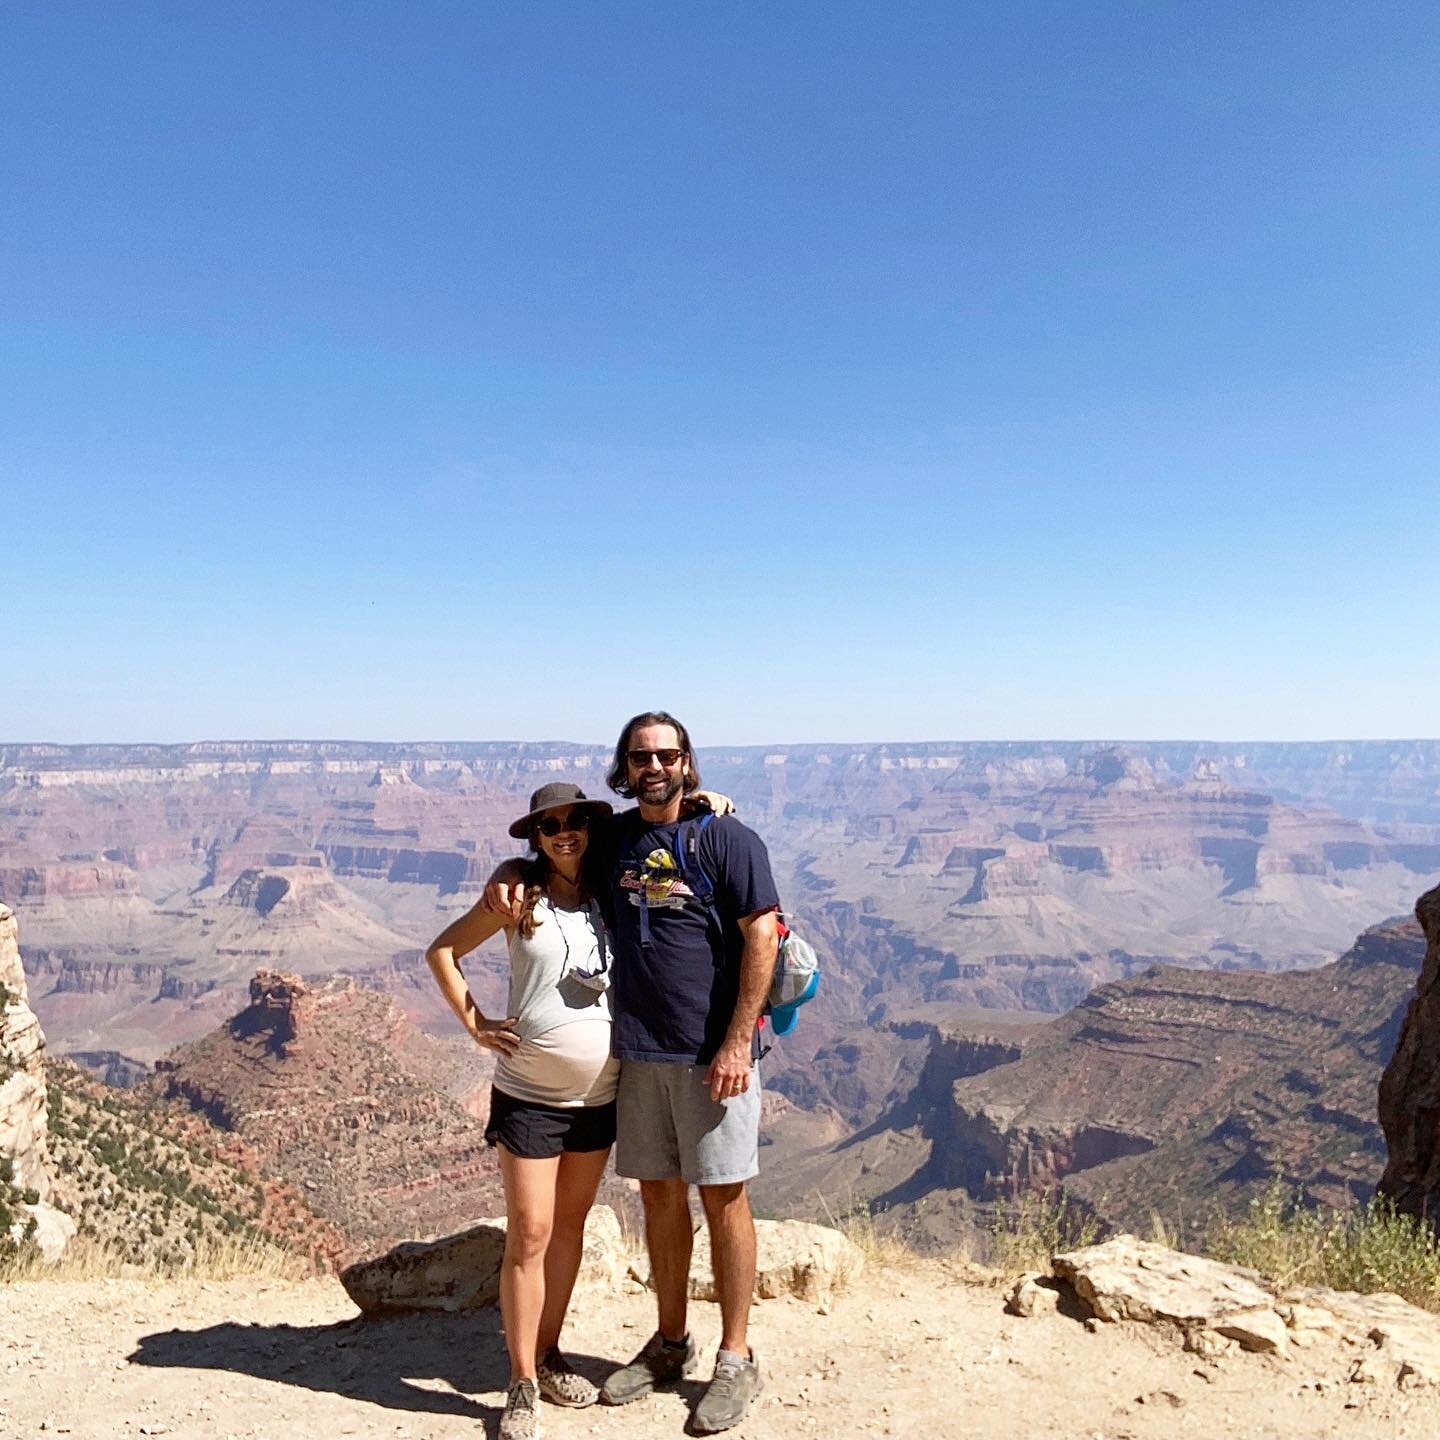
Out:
{"x": 505, "y": 891}
{"x": 497, "y": 1035}
{"x": 729, "y": 1072}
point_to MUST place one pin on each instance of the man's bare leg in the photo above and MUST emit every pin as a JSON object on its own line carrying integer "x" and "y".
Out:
{"x": 732, "y": 1250}
{"x": 669, "y": 1239}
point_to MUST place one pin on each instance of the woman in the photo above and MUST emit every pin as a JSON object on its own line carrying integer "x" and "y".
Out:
{"x": 552, "y": 1107}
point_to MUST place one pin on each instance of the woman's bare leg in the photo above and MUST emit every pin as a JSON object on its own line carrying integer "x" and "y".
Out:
{"x": 575, "y": 1187}
{"x": 529, "y": 1219}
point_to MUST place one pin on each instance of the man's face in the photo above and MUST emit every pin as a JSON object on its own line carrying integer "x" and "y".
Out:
{"x": 654, "y": 781}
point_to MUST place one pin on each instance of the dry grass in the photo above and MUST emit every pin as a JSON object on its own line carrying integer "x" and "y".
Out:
{"x": 1025, "y": 1234}
{"x": 894, "y": 1247}
{"x": 888, "y": 1248}
{"x": 1373, "y": 1249}
{"x": 233, "y": 1257}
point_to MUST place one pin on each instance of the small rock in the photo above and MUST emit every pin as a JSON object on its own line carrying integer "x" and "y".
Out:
{"x": 1259, "y": 1330}
{"x": 1033, "y": 1294}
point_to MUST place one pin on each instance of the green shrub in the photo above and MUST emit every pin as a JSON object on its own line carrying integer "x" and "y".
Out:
{"x": 1292, "y": 1243}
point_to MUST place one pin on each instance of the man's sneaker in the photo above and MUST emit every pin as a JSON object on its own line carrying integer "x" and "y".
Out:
{"x": 657, "y": 1364}
{"x": 560, "y": 1385}
{"x": 521, "y": 1420}
{"x": 737, "y": 1382}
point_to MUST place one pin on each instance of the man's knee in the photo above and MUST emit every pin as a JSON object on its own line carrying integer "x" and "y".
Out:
{"x": 725, "y": 1200}
{"x": 661, "y": 1197}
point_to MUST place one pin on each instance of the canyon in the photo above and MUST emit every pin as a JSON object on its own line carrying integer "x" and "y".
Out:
{"x": 1179, "y": 907}
{"x": 153, "y": 881}
{"x": 1174, "y": 1095}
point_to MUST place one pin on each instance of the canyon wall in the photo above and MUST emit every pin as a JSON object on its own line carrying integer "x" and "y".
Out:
{"x": 1410, "y": 1089}
{"x": 22, "y": 1070}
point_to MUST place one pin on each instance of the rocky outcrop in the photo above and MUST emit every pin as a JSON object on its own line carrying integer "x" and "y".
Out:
{"x": 22, "y": 1071}
{"x": 814, "y": 1263}
{"x": 156, "y": 1186}
{"x": 811, "y": 1262}
{"x": 1212, "y": 1308}
{"x": 462, "y": 1272}
{"x": 24, "y": 1110}
{"x": 378, "y": 1124}
{"x": 105, "y": 977}
{"x": 1410, "y": 1088}
{"x": 111, "y": 1068}
{"x": 1184, "y": 1077}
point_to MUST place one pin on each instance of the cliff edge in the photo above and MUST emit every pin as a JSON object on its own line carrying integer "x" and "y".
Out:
{"x": 24, "y": 1125}
{"x": 1410, "y": 1086}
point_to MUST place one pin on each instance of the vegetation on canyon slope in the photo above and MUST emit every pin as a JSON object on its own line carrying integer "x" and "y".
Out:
{"x": 1370, "y": 1249}
{"x": 152, "y": 1196}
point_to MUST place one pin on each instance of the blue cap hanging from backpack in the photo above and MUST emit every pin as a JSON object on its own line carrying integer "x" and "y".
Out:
{"x": 784, "y": 1016}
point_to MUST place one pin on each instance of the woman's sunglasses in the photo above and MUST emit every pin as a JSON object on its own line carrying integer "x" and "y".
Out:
{"x": 553, "y": 825}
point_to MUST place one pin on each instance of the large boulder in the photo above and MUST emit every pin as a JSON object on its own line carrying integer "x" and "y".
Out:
{"x": 53, "y": 1231}
{"x": 793, "y": 1257}
{"x": 1130, "y": 1279}
{"x": 1410, "y": 1086}
{"x": 1212, "y": 1308}
{"x": 460, "y": 1272}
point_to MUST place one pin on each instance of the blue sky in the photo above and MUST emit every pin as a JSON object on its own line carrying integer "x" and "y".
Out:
{"x": 818, "y": 372}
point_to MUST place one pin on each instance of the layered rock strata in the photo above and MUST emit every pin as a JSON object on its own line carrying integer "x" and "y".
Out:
{"x": 1173, "y": 1094}
{"x": 377, "y": 1124}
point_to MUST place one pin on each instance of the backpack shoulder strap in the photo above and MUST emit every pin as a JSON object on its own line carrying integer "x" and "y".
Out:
{"x": 687, "y": 857}
{"x": 693, "y": 870}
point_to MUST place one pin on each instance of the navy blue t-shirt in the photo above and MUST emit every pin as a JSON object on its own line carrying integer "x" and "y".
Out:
{"x": 675, "y": 998}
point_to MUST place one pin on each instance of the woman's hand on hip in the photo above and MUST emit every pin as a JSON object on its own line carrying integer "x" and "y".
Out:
{"x": 497, "y": 1035}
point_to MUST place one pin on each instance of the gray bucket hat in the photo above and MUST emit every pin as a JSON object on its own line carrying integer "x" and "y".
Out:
{"x": 553, "y": 797}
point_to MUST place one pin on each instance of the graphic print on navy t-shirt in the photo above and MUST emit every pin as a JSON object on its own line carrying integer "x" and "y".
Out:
{"x": 674, "y": 998}
{"x": 659, "y": 878}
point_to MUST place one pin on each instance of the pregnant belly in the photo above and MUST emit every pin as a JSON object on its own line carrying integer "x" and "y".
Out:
{"x": 569, "y": 1065}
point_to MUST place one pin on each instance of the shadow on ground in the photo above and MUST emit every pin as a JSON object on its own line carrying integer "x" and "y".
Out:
{"x": 374, "y": 1360}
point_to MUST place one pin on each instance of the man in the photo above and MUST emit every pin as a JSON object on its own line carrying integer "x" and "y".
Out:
{"x": 690, "y": 981}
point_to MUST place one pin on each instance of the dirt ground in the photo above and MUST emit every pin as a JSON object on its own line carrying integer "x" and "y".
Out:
{"x": 908, "y": 1353}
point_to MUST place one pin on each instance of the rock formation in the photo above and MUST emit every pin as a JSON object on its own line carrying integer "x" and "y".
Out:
{"x": 1174, "y": 1092}
{"x": 378, "y": 1124}
{"x": 24, "y": 1146}
{"x": 159, "y": 1187}
{"x": 1410, "y": 1088}
{"x": 1211, "y": 1309}
{"x": 462, "y": 1272}
{"x": 22, "y": 1070}
{"x": 814, "y": 1263}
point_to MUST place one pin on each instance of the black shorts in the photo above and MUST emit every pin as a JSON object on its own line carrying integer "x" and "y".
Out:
{"x": 540, "y": 1132}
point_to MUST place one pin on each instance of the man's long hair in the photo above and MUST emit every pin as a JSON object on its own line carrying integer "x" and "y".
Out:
{"x": 618, "y": 776}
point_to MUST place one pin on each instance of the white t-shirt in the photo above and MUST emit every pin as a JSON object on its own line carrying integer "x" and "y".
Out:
{"x": 564, "y": 1025}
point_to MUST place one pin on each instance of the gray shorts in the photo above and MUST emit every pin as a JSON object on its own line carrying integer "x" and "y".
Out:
{"x": 670, "y": 1129}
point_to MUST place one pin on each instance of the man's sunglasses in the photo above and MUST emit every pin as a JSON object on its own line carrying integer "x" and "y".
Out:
{"x": 642, "y": 758}
{"x": 553, "y": 825}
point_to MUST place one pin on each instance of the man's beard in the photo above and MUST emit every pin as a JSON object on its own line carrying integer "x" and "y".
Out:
{"x": 654, "y": 793}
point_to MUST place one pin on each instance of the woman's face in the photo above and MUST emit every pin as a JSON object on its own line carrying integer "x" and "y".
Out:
{"x": 563, "y": 833}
